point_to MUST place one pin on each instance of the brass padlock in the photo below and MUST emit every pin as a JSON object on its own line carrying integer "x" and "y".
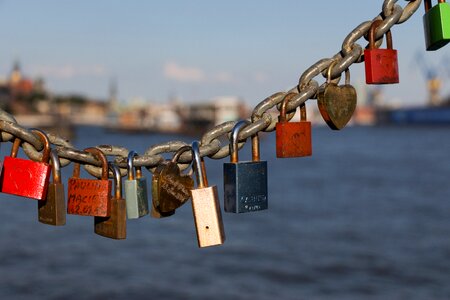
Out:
{"x": 206, "y": 206}
{"x": 337, "y": 103}
{"x": 52, "y": 210}
{"x": 114, "y": 226}
{"x": 170, "y": 188}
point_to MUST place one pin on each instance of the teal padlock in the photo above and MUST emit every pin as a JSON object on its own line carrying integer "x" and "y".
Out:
{"x": 135, "y": 190}
{"x": 436, "y": 24}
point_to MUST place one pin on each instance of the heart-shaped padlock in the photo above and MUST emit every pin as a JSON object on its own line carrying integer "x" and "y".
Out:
{"x": 170, "y": 187}
{"x": 337, "y": 103}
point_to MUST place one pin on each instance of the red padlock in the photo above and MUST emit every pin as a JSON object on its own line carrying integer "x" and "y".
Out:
{"x": 381, "y": 64}
{"x": 90, "y": 197}
{"x": 27, "y": 178}
{"x": 293, "y": 139}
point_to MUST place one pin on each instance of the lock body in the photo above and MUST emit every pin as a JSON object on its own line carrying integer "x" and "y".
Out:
{"x": 26, "y": 178}
{"x": 136, "y": 197}
{"x": 245, "y": 186}
{"x": 207, "y": 216}
{"x": 436, "y": 24}
{"x": 89, "y": 197}
{"x": 381, "y": 66}
{"x": 52, "y": 211}
{"x": 293, "y": 139}
{"x": 114, "y": 226}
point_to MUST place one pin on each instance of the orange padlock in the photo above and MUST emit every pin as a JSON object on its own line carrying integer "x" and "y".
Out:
{"x": 90, "y": 197}
{"x": 293, "y": 139}
{"x": 24, "y": 177}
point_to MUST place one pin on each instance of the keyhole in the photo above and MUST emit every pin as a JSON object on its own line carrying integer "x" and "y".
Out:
{"x": 207, "y": 227}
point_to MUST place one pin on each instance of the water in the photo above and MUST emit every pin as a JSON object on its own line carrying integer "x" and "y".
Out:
{"x": 367, "y": 217}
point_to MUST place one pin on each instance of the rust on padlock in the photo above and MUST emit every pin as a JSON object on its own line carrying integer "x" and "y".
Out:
{"x": 293, "y": 139}
{"x": 90, "y": 197}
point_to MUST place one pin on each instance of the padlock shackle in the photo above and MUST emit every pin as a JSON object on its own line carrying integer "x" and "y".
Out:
{"x": 179, "y": 152}
{"x": 100, "y": 156}
{"x": 234, "y": 156}
{"x": 286, "y": 99}
{"x": 330, "y": 67}
{"x": 372, "y": 30}
{"x": 198, "y": 165}
{"x": 44, "y": 139}
{"x": 428, "y": 4}
{"x": 130, "y": 172}
{"x": 117, "y": 180}
{"x": 56, "y": 166}
{"x": 15, "y": 147}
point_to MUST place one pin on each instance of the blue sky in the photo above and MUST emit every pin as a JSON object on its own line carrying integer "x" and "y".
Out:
{"x": 194, "y": 49}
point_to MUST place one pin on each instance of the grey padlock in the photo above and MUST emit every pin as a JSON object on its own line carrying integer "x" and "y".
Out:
{"x": 245, "y": 183}
{"x": 135, "y": 190}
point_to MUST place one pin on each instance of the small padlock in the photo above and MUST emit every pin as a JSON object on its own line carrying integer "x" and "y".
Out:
{"x": 381, "y": 65}
{"x": 114, "y": 226}
{"x": 170, "y": 187}
{"x": 293, "y": 139}
{"x": 337, "y": 103}
{"x": 27, "y": 178}
{"x": 245, "y": 183}
{"x": 135, "y": 190}
{"x": 90, "y": 197}
{"x": 52, "y": 210}
{"x": 205, "y": 206}
{"x": 436, "y": 24}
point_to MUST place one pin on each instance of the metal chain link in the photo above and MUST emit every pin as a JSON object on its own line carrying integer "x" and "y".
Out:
{"x": 261, "y": 120}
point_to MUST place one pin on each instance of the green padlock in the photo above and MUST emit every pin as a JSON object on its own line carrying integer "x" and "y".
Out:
{"x": 436, "y": 24}
{"x": 135, "y": 190}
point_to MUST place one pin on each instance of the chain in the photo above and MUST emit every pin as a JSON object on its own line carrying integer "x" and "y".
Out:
{"x": 211, "y": 146}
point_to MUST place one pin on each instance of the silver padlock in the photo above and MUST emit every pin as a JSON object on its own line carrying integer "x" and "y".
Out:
{"x": 206, "y": 206}
{"x": 135, "y": 190}
{"x": 245, "y": 183}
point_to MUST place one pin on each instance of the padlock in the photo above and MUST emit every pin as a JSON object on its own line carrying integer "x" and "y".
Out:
{"x": 27, "y": 178}
{"x": 245, "y": 183}
{"x": 436, "y": 24}
{"x": 293, "y": 139}
{"x": 114, "y": 226}
{"x": 337, "y": 103}
{"x": 381, "y": 65}
{"x": 135, "y": 190}
{"x": 90, "y": 197}
{"x": 170, "y": 187}
{"x": 205, "y": 205}
{"x": 52, "y": 210}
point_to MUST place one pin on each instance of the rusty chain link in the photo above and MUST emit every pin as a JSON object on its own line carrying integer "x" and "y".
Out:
{"x": 261, "y": 120}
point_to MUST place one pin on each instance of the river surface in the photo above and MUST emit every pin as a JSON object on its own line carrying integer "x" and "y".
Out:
{"x": 366, "y": 217}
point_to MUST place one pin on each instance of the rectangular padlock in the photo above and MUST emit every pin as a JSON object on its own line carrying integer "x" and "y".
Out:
{"x": 245, "y": 183}
{"x": 206, "y": 206}
{"x": 136, "y": 198}
{"x": 52, "y": 210}
{"x": 135, "y": 190}
{"x": 381, "y": 65}
{"x": 26, "y": 178}
{"x": 293, "y": 139}
{"x": 436, "y": 23}
{"x": 114, "y": 226}
{"x": 90, "y": 197}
